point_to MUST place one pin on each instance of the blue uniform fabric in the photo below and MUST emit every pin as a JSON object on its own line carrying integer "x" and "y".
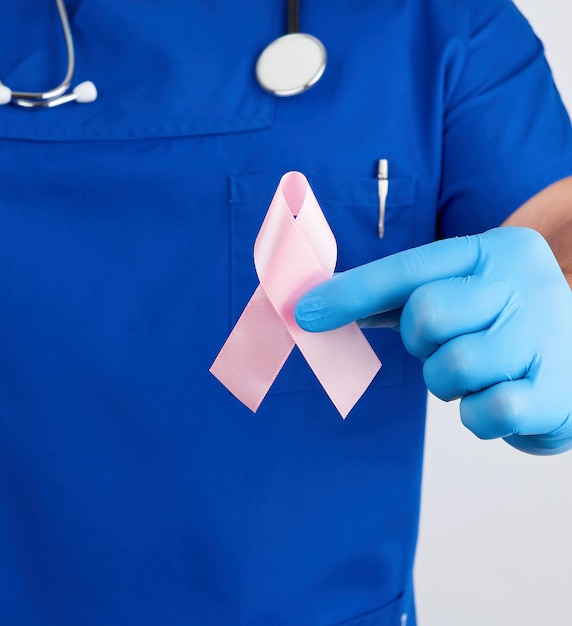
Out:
{"x": 134, "y": 489}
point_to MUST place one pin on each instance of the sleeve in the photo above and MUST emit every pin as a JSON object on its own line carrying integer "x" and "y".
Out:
{"x": 506, "y": 132}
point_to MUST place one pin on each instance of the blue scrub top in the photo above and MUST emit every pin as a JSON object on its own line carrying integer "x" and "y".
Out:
{"x": 134, "y": 489}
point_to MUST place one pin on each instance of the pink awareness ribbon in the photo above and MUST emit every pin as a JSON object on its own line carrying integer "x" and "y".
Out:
{"x": 294, "y": 251}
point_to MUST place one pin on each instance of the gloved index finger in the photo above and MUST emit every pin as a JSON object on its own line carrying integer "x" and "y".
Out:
{"x": 385, "y": 284}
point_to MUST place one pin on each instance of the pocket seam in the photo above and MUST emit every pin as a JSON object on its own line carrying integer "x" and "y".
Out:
{"x": 390, "y": 610}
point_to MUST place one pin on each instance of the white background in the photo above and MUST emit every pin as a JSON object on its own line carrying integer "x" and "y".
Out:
{"x": 496, "y": 526}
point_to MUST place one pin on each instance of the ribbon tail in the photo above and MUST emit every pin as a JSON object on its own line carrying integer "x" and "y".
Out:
{"x": 254, "y": 352}
{"x": 342, "y": 360}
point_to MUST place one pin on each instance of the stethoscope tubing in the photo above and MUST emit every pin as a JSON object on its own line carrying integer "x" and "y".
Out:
{"x": 31, "y": 99}
{"x": 293, "y": 16}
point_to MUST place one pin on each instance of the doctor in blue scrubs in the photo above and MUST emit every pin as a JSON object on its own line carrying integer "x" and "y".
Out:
{"x": 134, "y": 489}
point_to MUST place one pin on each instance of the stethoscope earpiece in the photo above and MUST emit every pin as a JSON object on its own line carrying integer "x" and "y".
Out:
{"x": 85, "y": 92}
{"x": 5, "y": 94}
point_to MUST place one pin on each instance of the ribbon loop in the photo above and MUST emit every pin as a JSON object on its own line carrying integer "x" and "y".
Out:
{"x": 294, "y": 251}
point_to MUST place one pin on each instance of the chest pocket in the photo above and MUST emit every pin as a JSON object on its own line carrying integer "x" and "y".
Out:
{"x": 351, "y": 207}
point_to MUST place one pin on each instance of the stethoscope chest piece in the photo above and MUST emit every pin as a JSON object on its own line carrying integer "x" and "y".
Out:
{"x": 291, "y": 64}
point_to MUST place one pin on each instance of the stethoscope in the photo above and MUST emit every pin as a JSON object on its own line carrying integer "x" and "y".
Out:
{"x": 84, "y": 92}
{"x": 288, "y": 66}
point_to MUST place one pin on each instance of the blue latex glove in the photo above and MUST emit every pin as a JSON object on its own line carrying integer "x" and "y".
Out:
{"x": 489, "y": 315}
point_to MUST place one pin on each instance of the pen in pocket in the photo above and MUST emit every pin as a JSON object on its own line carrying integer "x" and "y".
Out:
{"x": 382, "y": 189}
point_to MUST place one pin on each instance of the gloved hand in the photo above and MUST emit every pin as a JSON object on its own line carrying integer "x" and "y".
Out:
{"x": 489, "y": 315}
